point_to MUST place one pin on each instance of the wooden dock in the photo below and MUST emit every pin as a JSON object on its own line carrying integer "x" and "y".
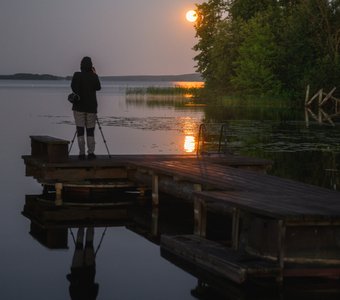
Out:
{"x": 278, "y": 227}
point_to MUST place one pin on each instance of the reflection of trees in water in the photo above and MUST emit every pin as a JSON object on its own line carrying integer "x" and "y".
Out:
{"x": 83, "y": 268}
{"x": 313, "y": 167}
{"x": 309, "y": 154}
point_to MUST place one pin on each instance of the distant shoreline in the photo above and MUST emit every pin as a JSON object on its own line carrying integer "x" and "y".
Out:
{"x": 182, "y": 77}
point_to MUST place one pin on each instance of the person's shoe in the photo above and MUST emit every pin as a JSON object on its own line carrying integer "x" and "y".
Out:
{"x": 91, "y": 156}
{"x": 81, "y": 156}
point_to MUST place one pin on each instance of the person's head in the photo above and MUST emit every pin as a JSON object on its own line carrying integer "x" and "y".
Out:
{"x": 86, "y": 64}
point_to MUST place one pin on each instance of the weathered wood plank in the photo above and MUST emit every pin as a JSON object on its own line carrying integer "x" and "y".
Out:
{"x": 217, "y": 259}
{"x": 279, "y": 206}
{"x": 258, "y": 193}
{"x": 225, "y": 178}
{"x": 49, "y": 148}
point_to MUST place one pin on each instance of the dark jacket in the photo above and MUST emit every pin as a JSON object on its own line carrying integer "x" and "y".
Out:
{"x": 85, "y": 84}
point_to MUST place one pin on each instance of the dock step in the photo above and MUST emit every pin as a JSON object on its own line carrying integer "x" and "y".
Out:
{"x": 217, "y": 259}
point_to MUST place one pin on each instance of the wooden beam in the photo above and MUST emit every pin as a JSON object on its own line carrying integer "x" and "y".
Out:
{"x": 281, "y": 248}
{"x": 320, "y": 96}
{"x": 313, "y": 98}
{"x": 307, "y": 94}
{"x": 307, "y": 117}
{"x": 327, "y": 117}
{"x": 235, "y": 229}
{"x": 155, "y": 221}
{"x": 328, "y": 96}
{"x": 155, "y": 190}
{"x": 200, "y": 217}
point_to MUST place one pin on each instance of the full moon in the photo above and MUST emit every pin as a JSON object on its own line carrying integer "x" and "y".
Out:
{"x": 191, "y": 16}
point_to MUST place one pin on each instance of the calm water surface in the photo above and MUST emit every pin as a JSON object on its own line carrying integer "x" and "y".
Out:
{"x": 129, "y": 266}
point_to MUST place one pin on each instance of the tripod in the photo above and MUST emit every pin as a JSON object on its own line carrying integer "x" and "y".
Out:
{"x": 101, "y": 131}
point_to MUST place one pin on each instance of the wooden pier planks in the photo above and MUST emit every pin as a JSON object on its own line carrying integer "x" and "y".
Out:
{"x": 218, "y": 259}
{"x": 118, "y": 165}
{"x": 288, "y": 207}
{"x": 291, "y": 197}
{"x": 220, "y": 183}
{"x": 244, "y": 196}
{"x": 252, "y": 190}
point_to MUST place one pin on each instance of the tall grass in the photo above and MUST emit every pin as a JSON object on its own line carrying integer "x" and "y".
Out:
{"x": 167, "y": 91}
{"x": 256, "y": 101}
{"x": 199, "y": 94}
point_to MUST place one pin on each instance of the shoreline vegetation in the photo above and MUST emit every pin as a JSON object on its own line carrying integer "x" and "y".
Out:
{"x": 268, "y": 49}
{"x": 186, "y": 92}
{"x": 194, "y": 77}
{"x": 189, "y": 88}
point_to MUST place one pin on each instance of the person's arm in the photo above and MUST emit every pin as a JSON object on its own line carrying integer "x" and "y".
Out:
{"x": 75, "y": 83}
{"x": 97, "y": 83}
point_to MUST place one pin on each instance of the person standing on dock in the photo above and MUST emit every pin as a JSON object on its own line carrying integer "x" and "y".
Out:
{"x": 85, "y": 84}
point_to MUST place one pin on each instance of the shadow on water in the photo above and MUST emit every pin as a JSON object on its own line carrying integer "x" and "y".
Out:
{"x": 82, "y": 230}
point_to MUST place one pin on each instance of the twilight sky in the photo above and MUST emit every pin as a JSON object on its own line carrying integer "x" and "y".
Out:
{"x": 123, "y": 37}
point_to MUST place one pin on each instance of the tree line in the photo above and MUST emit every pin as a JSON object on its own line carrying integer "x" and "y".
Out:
{"x": 268, "y": 47}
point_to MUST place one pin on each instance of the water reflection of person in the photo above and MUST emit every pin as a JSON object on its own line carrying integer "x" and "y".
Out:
{"x": 83, "y": 269}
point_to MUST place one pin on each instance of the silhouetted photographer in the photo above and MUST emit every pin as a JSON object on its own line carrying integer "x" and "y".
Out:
{"x": 85, "y": 84}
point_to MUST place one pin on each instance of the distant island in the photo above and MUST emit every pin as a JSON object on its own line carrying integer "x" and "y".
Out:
{"x": 29, "y": 76}
{"x": 182, "y": 77}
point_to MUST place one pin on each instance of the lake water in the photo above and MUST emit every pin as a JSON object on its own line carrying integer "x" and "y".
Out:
{"x": 129, "y": 266}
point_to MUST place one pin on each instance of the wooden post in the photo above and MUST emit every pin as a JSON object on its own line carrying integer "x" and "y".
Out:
{"x": 200, "y": 217}
{"x": 307, "y": 94}
{"x": 58, "y": 196}
{"x": 200, "y": 214}
{"x": 154, "y": 221}
{"x": 197, "y": 187}
{"x": 319, "y": 116}
{"x": 306, "y": 117}
{"x": 155, "y": 193}
{"x": 320, "y": 96}
{"x": 281, "y": 248}
{"x": 235, "y": 228}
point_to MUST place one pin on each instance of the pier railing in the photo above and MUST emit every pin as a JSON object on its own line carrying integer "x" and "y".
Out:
{"x": 213, "y": 138}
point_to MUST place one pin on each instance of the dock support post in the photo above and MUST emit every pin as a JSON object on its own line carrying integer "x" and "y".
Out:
{"x": 281, "y": 248}
{"x": 307, "y": 94}
{"x": 58, "y": 196}
{"x": 235, "y": 228}
{"x": 154, "y": 221}
{"x": 200, "y": 217}
{"x": 155, "y": 194}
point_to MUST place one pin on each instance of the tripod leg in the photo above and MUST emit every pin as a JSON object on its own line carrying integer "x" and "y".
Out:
{"x": 100, "y": 128}
{"x": 75, "y": 134}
